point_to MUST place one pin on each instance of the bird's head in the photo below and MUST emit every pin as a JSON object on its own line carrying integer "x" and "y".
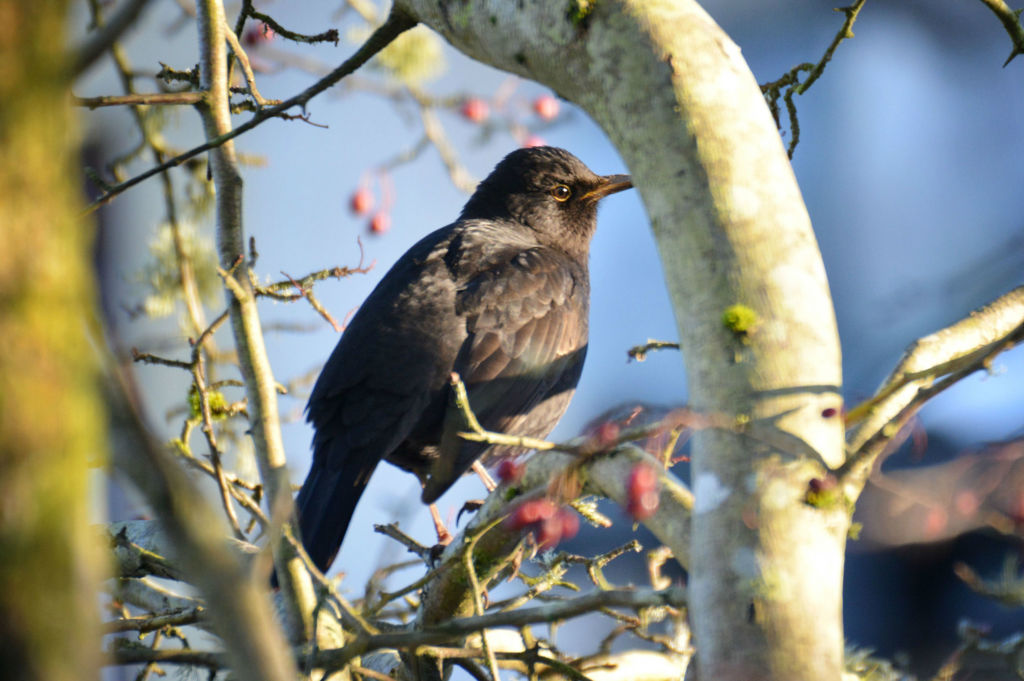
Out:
{"x": 548, "y": 190}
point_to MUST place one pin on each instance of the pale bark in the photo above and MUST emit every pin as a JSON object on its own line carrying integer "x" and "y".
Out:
{"x": 677, "y": 100}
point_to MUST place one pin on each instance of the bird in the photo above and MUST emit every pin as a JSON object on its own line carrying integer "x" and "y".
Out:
{"x": 500, "y": 297}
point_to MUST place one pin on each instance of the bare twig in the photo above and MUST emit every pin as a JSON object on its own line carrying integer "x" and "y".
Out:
{"x": 169, "y": 619}
{"x": 1007, "y": 588}
{"x": 307, "y": 293}
{"x": 243, "y": 59}
{"x": 790, "y": 81}
{"x": 639, "y": 352}
{"x": 413, "y": 546}
{"x": 328, "y": 36}
{"x": 142, "y": 99}
{"x": 127, "y": 652}
{"x": 478, "y": 601}
{"x": 396, "y": 24}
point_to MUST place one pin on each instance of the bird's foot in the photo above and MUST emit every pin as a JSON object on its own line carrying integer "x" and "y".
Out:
{"x": 485, "y": 477}
{"x": 444, "y": 537}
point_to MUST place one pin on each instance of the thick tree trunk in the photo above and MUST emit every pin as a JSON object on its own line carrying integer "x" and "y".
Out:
{"x": 51, "y": 423}
{"x": 679, "y": 103}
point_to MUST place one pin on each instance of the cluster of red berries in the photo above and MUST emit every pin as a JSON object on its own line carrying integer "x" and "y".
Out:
{"x": 642, "y": 492}
{"x": 361, "y": 203}
{"x": 549, "y": 522}
{"x": 604, "y": 437}
{"x": 476, "y": 110}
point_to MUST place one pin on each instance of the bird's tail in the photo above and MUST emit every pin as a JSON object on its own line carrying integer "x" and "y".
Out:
{"x": 326, "y": 503}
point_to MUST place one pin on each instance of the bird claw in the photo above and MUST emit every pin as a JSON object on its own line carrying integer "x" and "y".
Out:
{"x": 471, "y": 506}
{"x": 435, "y": 552}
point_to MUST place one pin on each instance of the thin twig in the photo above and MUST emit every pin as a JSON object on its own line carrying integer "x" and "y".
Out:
{"x": 243, "y": 59}
{"x": 396, "y": 24}
{"x": 790, "y": 81}
{"x": 478, "y": 602}
{"x": 639, "y": 352}
{"x": 126, "y": 652}
{"x": 328, "y": 36}
{"x": 186, "y": 97}
{"x": 168, "y": 619}
{"x": 307, "y": 293}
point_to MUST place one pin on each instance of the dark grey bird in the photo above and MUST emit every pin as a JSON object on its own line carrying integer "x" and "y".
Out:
{"x": 500, "y": 296}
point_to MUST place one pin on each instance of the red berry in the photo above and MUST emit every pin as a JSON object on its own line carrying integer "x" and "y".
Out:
{"x": 570, "y": 523}
{"x": 510, "y": 470}
{"x": 530, "y": 512}
{"x": 516, "y": 520}
{"x": 380, "y": 223}
{"x": 819, "y": 485}
{"x": 967, "y": 502}
{"x": 606, "y": 434}
{"x": 475, "y": 110}
{"x": 642, "y": 492}
{"x": 258, "y": 33}
{"x": 549, "y": 532}
{"x": 546, "y": 107}
{"x": 561, "y": 525}
{"x": 549, "y": 523}
{"x": 361, "y": 201}
{"x": 538, "y": 509}
{"x": 935, "y": 522}
{"x": 534, "y": 141}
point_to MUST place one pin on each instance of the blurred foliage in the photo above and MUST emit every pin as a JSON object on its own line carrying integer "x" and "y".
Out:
{"x": 861, "y": 665}
{"x": 416, "y": 57}
{"x": 162, "y": 274}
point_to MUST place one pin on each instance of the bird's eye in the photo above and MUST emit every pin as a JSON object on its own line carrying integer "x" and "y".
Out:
{"x": 561, "y": 192}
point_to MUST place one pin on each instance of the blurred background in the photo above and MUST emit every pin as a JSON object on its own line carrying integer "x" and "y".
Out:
{"x": 910, "y": 162}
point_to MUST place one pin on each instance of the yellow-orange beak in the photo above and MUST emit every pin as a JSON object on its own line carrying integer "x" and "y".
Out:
{"x": 610, "y": 184}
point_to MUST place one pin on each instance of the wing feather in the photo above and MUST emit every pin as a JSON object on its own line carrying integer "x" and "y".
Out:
{"x": 527, "y": 336}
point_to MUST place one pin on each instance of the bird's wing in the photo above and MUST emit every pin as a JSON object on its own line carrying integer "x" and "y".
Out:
{"x": 526, "y": 319}
{"x": 390, "y": 363}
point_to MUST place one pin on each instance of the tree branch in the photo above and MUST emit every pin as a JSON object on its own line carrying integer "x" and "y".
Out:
{"x": 950, "y": 355}
{"x": 1010, "y": 19}
{"x": 447, "y": 630}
